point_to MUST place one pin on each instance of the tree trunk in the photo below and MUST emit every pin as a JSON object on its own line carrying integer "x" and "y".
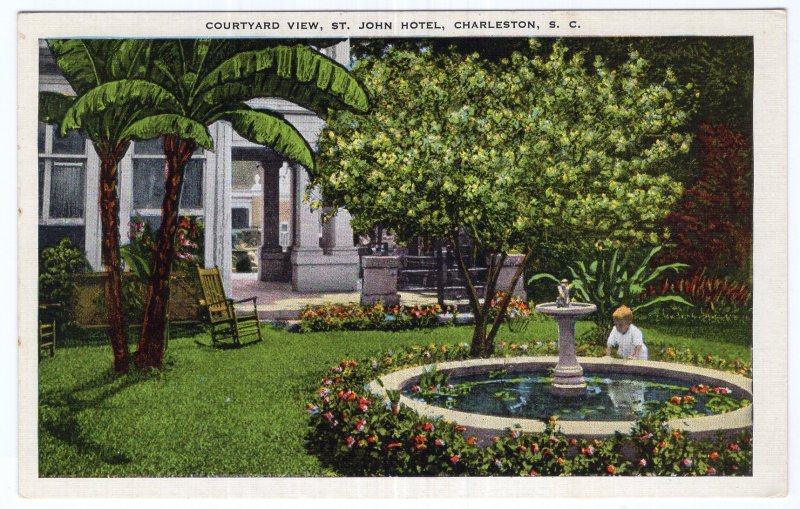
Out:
{"x": 150, "y": 350}
{"x": 109, "y": 219}
{"x": 481, "y": 347}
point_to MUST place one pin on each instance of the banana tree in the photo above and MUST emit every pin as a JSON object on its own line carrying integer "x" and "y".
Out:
{"x": 612, "y": 279}
{"x": 112, "y": 105}
{"x": 211, "y": 80}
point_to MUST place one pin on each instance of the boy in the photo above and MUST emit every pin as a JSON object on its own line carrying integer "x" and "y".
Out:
{"x": 626, "y": 336}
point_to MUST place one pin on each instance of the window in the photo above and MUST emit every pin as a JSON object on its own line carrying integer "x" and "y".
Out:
{"x": 148, "y": 180}
{"x": 240, "y": 218}
{"x": 283, "y": 236}
{"x": 62, "y": 177}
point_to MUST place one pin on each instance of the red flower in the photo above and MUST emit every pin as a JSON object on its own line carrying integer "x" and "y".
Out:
{"x": 427, "y": 426}
{"x": 454, "y": 458}
{"x": 711, "y": 471}
{"x": 611, "y": 470}
{"x": 461, "y": 428}
{"x": 438, "y": 442}
{"x": 642, "y": 462}
{"x": 734, "y": 447}
{"x": 714, "y": 456}
{"x": 534, "y": 473}
{"x": 472, "y": 441}
{"x": 393, "y": 445}
{"x": 372, "y": 439}
{"x": 350, "y": 441}
{"x": 573, "y": 441}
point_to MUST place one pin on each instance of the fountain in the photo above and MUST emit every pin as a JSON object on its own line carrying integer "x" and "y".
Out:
{"x": 568, "y": 375}
{"x": 618, "y": 389}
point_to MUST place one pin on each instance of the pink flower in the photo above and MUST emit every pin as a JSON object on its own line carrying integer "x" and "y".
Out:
{"x": 438, "y": 442}
{"x": 642, "y": 462}
{"x": 414, "y": 389}
{"x": 711, "y": 471}
{"x": 350, "y": 441}
{"x": 454, "y": 458}
{"x": 687, "y": 462}
{"x": 360, "y": 424}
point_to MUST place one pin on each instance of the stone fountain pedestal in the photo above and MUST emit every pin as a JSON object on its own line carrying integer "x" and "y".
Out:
{"x": 568, "y": 374}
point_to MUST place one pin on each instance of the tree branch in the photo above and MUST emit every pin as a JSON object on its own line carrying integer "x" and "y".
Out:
{"x": 498, "y": 319}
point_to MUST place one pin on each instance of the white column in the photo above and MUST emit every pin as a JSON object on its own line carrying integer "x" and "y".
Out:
{"x": 342, "y": 240}
{"x": 306, "y": 220}
{"x": 92, "y": 227}
{"x": 125, "y": 190}
{"x": 217, "y": 203}
{"x": 313, "y": 270}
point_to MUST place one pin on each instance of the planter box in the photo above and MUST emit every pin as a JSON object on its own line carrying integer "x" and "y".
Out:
{"x": 88, "y": 309}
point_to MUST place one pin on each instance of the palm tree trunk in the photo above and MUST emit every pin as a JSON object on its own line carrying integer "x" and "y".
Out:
{"x": 150, "y": 350}
{"x": 109, "y": 219}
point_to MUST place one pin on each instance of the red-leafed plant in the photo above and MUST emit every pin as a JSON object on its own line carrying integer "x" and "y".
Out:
{"x": 708, "y": 294}
{"x": 712, "y": 225}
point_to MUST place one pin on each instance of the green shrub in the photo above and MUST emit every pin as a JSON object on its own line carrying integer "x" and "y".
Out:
{"x": 243, "y": 262}
{"x": 57, "y": 266}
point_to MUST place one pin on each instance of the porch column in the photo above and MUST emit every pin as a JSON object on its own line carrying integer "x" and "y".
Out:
{"x": 307, "y": 257}
{"x": 217, "y": 203}
{"x": 92, "y": 226}
{"x": 275, "y": 264}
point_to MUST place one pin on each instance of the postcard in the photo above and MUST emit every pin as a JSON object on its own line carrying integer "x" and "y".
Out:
{"x": 433, "y": 253}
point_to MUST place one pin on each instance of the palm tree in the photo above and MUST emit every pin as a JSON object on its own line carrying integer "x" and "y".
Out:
{"x": 113, "y": 105}
{"x": 211, "y": 80}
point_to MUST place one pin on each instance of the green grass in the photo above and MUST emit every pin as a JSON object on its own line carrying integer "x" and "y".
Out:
{"x": 224, "y": 412}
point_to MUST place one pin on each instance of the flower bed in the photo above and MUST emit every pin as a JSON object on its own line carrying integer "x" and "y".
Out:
{"x": 355, "y": 433}
{"x": 337, "y": 317}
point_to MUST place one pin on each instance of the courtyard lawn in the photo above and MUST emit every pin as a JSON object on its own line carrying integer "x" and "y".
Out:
{"x": 229, "y": 412}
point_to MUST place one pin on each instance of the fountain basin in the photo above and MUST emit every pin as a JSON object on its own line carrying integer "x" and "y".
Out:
{"x": 575, "y": 309}
{"x": 489, "y": 425}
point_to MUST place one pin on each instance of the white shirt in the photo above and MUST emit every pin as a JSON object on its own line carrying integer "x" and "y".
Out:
{"x": 627, "y": 342}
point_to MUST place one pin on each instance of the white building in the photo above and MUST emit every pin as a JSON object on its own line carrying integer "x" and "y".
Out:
{"x": 318, "y": 257}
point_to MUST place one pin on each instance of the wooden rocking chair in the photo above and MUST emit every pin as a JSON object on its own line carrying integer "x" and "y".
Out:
{"x": 47, "y": 331}
{"x": 227, "y": 327}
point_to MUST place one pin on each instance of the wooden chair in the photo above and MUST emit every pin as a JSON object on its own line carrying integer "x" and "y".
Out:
{"x": 47, "y": 331}
{"x": 228, "y": 328}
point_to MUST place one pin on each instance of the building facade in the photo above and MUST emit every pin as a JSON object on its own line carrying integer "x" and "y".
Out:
{"x": 295, "y": 245}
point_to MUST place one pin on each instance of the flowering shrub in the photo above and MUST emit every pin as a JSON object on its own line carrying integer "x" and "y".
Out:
{"x": 358, "y": 434}
{"x": 712, "y": 224}
{"x": 336, "y": 317}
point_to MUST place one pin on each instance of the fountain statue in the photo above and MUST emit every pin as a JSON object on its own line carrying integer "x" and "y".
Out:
{"x": 568, "y": 374}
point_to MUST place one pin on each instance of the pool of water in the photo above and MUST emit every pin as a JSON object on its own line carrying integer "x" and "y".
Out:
{"x": 609, "y": 397}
